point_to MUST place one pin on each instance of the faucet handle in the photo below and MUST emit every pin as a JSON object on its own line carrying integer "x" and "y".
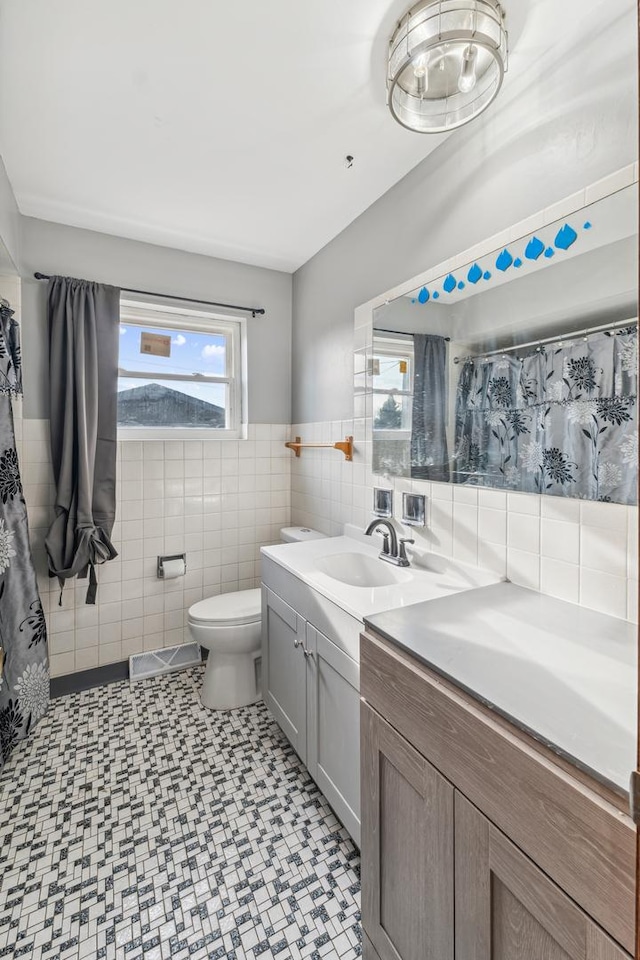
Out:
{"x": 402, "y": 550}
{"x": 385, "y": 544}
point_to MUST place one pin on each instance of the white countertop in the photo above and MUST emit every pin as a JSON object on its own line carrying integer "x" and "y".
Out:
{"x": 413, "y": 584}
{"x": 564, "y": 673}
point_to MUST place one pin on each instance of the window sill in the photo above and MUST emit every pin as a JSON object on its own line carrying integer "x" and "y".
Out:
{"x": 178, "y": 433}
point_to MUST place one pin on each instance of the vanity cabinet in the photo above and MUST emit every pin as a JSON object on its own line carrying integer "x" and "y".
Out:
{"x": 284, "y": 668}
{"x": 407, "y": 849}
{"x": 507, "y": 908}
{"x": 333, "y": 726}
{"x": 477, "y": 843}
{"x": 312, "y": 688}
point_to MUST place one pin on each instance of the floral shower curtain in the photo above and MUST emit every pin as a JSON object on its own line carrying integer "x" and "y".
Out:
{"x": 24, "y": 671}
{"x": 561, "y": 420}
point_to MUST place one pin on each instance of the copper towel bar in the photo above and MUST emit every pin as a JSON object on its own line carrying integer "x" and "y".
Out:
{"x": 346, "y": 446}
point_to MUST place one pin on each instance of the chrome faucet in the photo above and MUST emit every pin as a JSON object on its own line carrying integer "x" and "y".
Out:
{"x": 393, "y": 550}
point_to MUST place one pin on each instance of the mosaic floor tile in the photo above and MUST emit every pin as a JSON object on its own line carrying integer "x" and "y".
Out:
{"x": 136, "y": 825}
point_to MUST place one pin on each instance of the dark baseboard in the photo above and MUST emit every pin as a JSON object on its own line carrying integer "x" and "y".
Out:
{"x": 86, "y": 679}
{"x": 96, "y": 677}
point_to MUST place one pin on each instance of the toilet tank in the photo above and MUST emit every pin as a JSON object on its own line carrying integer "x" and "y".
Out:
{"x": 297, "y": 534}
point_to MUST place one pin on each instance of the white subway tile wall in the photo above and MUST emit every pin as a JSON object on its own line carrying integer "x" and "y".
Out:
{"x": 218, "y": 501}
{"x": 575, "y": 550}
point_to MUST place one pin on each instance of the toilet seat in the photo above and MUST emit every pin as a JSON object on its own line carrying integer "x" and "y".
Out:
{"x": 228, "y": 609}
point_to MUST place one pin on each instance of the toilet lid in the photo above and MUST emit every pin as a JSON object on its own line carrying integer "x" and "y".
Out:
{"x": 245, "y": 606}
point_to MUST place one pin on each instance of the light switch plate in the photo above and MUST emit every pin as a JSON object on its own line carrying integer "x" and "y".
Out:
{"x": 413, "y": 509}
{"x": 382, "y": 502}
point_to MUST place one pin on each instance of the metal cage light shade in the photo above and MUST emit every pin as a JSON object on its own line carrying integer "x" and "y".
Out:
{"x": 447, "y": 60}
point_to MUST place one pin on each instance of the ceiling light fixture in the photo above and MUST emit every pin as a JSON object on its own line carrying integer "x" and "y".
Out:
{"x": 447, "y": 60}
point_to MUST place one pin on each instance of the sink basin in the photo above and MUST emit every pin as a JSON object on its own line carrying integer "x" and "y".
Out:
{"x": 348, "y": 571}
{"x": 359, "y": 570}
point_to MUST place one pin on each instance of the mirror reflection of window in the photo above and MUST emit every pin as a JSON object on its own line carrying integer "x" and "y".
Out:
{"x": 392, "y": 376}
{"x": 392, "y": 382}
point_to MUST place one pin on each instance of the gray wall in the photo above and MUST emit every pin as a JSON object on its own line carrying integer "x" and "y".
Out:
{"x": 550, "y": 133}
{"x": 56, "y": 249}
{"x": 9, "y": 226}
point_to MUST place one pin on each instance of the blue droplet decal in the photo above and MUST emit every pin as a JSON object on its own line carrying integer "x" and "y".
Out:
{"x": 549, "y": 252}
{"x": 436, "y": 295}
{"x": 565, "y": 237}
{"x": 487, "y": 275}
{"x": 587, "y": 225}
{"x": 504, "y": 260}
{"x": 534, "y": 249}
{"x": 423, "y": 296}
{"x": 474, "y": 274}
{"x": 461, "y": 285}
{"x": 517, "y": 262}
{"x": 450, "y": 283}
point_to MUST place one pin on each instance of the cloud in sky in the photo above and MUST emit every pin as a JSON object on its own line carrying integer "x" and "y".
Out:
{"x": 179, "y": 340}
{"x": 212, "y": 350}
{"x": 123, "y": 330}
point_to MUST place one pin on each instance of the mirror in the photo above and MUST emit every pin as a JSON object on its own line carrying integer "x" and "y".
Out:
{"x": 517, "y": 370}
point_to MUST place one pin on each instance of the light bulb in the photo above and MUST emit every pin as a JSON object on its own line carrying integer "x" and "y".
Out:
{"x": 421, "y": 74}
{"x": 467, "y": 78}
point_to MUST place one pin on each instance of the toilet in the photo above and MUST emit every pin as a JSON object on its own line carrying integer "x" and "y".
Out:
{"x": 229, "y": 627}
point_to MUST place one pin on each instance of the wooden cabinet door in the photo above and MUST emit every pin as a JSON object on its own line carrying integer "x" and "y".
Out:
{"x": 508, "y": 909}
{"x": 283, "y": 668}
{"x": 333, "y": 726}
{"x": 407, "y": 848}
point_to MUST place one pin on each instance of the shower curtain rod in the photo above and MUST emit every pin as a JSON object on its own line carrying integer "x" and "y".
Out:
{"x": 254, "y": 311}
{"x": 400, "y": 333}
{"x": 558, "y": 337}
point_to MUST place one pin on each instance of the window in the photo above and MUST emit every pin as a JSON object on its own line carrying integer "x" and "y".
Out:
{"x": 179, "y": 370}
{"x": 392, "y": 377}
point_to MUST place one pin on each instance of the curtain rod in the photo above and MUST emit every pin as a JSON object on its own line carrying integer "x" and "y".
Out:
{"x": 400, "y": 333}
{"x": 558, "y": 337}
{"x": 254, "y": 311}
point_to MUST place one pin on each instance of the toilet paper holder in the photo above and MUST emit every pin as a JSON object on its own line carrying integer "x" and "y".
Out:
{"x": 173, "y": 556}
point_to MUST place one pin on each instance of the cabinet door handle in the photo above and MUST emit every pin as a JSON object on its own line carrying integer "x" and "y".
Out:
{"x": 297, "y": 641}
{"x": 309, "y": 653}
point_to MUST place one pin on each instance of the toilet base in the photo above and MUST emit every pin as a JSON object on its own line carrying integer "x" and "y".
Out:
{"x": 229, "y": 681}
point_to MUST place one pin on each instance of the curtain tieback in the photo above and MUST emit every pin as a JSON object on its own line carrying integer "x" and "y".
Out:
{"x": 92, "y": 547}
{"x": 100, "y": 549}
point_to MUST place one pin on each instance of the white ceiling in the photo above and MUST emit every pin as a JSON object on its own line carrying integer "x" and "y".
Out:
{"x": 215, "y": 127}
{"x": 219, "y": 128}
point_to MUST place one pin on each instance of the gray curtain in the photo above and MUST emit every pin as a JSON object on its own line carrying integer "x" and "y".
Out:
{"x": 562, "y": 420}
{"x": 24, "y": 669}
{"x": 429, "y": 453}
{"x": 83, "y": 362}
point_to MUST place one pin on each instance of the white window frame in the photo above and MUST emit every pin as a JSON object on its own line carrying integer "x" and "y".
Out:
{"x": 146, "y": 315}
